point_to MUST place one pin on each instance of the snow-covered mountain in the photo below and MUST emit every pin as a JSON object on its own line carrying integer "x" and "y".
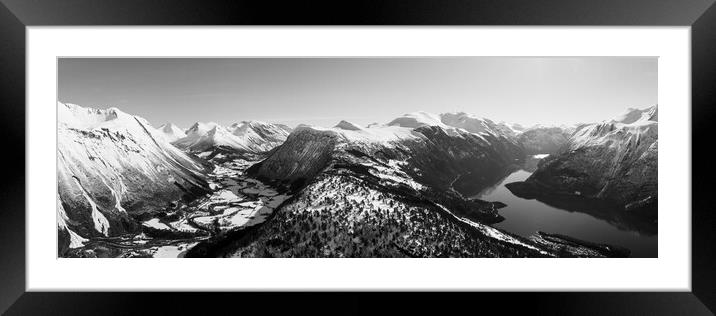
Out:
{"x": 417, "y": 119}
{"x": 260, "y": 136}
{"x": 399, "y": 177}
{"x": 634, "y": 115}
{"x": 475, "y": 124}
{"x": 451, "y": 121}
{"x": 113, "y": 166}
{"x": 247, "y": 136}
{"x": 171, "y": 132}
{"x": 348, "y": 126}
{"x": 614, "y": 160}
{"x": 438, "y": 156}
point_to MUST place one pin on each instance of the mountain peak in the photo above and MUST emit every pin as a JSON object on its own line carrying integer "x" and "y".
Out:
{"x": 251, "y": 136}
{"x": 633, "y": 115}
{"x": 88, "y": 118}
{"x": 417, "y": 119}
{"x": 343, "y": 124}
{"x": 171, "y": 132}
{"x": 200, "y": 128}
{"x": 168, "y": 127}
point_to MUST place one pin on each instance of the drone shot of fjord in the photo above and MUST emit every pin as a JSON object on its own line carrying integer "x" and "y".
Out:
{"x": 360, "y": 157}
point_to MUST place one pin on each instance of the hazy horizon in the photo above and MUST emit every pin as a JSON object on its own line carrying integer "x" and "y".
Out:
{"x": 323, "y": 91}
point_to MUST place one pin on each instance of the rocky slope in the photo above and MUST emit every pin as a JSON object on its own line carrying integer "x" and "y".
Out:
{"x": 439, "y": 156}
{"x": 384, "y": 191}
{"x": 613, "y": 161}
{"x": 544, "y": 140}
{"x": 409, "y": 163}
{"x": 113, "y": 166}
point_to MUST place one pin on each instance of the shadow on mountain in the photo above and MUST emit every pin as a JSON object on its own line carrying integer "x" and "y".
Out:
{"x": 602, "y": 209}
{"x": 473, "y": 183}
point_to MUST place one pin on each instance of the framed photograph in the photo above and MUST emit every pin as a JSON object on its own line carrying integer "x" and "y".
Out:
{"x": 452, "y": 147}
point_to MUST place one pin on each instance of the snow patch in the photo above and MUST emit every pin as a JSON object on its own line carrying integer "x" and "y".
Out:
{"x": 155, "y": 223}
{"x": 100, "y": 222}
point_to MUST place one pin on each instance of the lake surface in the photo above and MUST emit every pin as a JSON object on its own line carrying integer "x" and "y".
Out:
{"x": 526, "y": 217}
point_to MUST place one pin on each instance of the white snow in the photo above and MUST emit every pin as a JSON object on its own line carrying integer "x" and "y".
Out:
{"x": 76, "y": 240}
{"x": 491, "y": 231}
{"x": 540, "y": 156}
{"x": 633, "y": 115}
{"x": 251, "y": 136}
{"x": 171, "y": 132}
{"x": 418, "y": 119}
{"x": 226, "y": 195}
{"x": 183, "y": 225}
{"x": 627, "y": 129}
{"x": 100, "y": 222}
{"x": 155, "y": 223}
{"x": 173, "y": 251}
{"x": 376, "y": 134}
{"x": 348, "y": 126}
{"x": 108, "y": 144}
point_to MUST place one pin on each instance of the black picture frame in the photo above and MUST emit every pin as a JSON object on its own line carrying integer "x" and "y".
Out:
{"x": 16, "y": 15}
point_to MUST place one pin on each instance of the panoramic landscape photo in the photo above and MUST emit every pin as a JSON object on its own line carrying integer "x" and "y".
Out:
{"x": 422, "y": 157}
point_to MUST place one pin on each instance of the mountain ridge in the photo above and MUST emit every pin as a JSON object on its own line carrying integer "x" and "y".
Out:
{"x": 112, "y": 166}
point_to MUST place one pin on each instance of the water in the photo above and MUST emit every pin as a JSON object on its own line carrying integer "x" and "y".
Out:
{"x": 525, "y": 217}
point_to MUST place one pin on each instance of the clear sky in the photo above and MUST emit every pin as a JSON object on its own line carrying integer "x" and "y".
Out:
{"x": 322, "y": 91}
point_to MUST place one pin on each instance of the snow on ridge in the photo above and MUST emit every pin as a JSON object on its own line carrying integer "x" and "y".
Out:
{"x": 375, "y": 134}
{"x": 418, "y": 119}
{"x": 98, "y": 150}
{"x": 76, "y": 240}
{"x": 634, "y": 115}
{"x": 87, "y": 118}
{"x": 171, "y": 132}
{"x": 343, "y": 124}
{"x": 245, "y": 136}
{"x": 479, "y": 125}
{"x": 612, "y": 134}
{"x": 491, "y": 231}
{"x": 101, "y": 224}
{"x": 200, "y": 128}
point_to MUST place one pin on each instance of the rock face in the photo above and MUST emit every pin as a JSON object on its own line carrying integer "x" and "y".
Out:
{"x": 614, "y": 161}
{"x": 305, "y": 153}
{"x": 246, "y": 136}
{"x": 544, "y": 140}
{"x": 111, "y": 166}
{"x": 439, "y": 156}
{"x": 356, "y": 192}
{"x": 385, "y": 191}
{"x": 347, "y": 126}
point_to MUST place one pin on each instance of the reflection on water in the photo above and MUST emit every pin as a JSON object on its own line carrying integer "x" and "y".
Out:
{"x": 525, "y": 217}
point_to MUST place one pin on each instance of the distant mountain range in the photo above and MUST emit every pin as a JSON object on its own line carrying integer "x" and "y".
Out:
{"x": 248, "y": 136}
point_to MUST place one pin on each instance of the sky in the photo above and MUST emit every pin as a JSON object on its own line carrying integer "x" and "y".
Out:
{"x": 323, "y": 91}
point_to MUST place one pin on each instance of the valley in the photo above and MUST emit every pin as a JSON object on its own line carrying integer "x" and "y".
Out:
{"x": 236, "y": 202}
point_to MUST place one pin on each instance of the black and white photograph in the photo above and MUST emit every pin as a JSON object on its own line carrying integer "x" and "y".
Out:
{"x": 357, "y": 157}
